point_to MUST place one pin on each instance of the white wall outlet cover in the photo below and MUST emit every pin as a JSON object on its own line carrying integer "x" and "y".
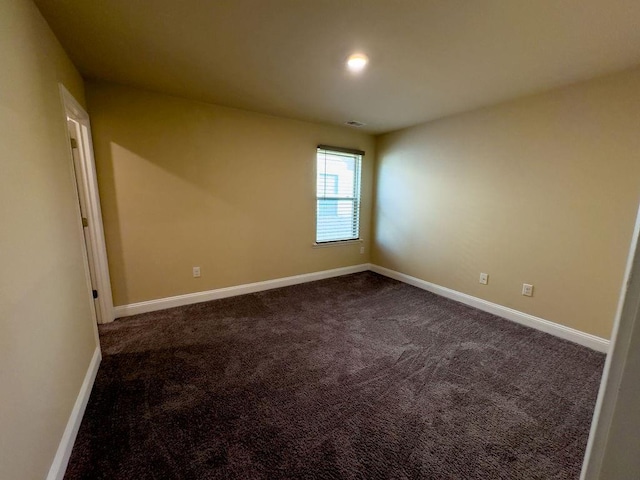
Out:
{"x": 484, "y": 278}
{"x": 527, "y": 290}
{"x": 196, "y": 272}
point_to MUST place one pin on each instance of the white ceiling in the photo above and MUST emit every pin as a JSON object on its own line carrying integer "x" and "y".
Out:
{"x": 429, "y": 58}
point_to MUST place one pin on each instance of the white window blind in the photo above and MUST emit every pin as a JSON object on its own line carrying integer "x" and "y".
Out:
{"x": 337, "y": 194}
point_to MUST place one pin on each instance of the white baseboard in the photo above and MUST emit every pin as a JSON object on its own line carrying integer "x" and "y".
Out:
{"x": 190, "y": 298}
{"x": 61, "y": 460}
{"x": 571, "y": 334}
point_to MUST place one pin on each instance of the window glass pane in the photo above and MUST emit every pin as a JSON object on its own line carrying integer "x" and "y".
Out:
{"x": 336, "y": 175}
{"x": 338, "y": 193}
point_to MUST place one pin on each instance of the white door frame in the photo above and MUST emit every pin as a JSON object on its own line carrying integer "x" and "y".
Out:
{"x": 615, "y": 407}
{"x": 89, "y": 189}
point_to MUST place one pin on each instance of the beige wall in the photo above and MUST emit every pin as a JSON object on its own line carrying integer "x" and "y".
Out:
{"x": 46, "y": 329}
{"x": 186, "y": 184}
{"x": 542, "y": 190}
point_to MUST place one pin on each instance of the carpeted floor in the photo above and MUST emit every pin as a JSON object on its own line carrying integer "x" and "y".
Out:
{"x": 356, "y": 377}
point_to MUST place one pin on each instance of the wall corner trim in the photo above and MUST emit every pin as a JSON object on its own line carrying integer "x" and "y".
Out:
{"x": 206, "y": 296}
{"x": 61, "y": 460}
{"x": 566, "y": 333}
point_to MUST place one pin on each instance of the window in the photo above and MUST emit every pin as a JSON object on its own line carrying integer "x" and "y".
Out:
{"x": 337, "y": 194}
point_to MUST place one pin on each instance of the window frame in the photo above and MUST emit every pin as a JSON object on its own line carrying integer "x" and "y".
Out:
{"x": 356, "y": 199}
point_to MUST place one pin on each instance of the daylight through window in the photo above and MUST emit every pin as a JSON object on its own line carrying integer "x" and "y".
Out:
{"x": 337, "y": 194}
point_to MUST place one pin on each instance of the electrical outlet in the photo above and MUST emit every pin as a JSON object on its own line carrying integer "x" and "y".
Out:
{"x": 484, "y": 278}
{"x": 196, "y": 272}
{"x": 527, "y": 290}
{"x": 361, "y": 250}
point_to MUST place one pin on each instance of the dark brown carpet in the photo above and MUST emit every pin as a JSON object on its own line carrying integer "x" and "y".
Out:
{"x": 357, "y": 377}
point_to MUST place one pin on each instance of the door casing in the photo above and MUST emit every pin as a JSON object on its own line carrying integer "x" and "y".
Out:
{"x": 88, "y": 196}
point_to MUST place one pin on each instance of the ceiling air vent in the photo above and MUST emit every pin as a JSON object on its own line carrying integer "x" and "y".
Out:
{"x": 353, "y": 123}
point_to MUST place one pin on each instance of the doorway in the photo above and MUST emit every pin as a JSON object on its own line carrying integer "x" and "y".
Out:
{"x": 79, "y": 131}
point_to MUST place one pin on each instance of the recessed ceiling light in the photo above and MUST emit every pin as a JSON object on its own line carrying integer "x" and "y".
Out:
{"x": 357, "y": 62}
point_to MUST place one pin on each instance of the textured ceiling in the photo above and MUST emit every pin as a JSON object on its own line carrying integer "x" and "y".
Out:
{"x": 286, "y": 57}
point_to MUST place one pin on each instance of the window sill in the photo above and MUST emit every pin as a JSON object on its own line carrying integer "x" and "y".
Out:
{"x": 338, "y": 243}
